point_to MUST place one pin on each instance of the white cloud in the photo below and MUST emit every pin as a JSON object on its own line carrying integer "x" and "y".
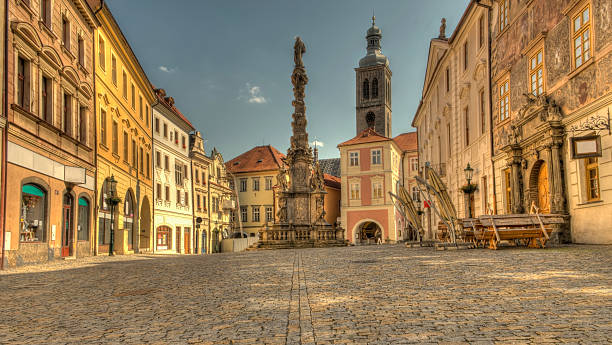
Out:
{"x": 166, "y": 69}
{"x": 317, "y": 143}
{"x": 254, "y": 94}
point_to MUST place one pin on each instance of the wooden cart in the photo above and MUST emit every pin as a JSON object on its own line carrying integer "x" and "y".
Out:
{"x": 532, "y": 230}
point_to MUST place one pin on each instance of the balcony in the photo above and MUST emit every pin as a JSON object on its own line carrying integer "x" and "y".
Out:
{"x": 229, "y": 204}
{"x": 440, "y": 169}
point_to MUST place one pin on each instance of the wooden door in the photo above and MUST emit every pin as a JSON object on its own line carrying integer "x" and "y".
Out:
{"x": 187, "y": 242}
{"x": 543, "y": 192}
{"x": 67, "y": 227}
{"x": 178, "y": 239}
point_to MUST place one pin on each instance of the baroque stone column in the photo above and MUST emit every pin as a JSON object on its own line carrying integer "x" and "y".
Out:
{"x": 515, "y": 166}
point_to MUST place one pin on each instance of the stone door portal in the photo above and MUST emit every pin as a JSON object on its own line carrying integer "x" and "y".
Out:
{"x": 67, "y": 232}
{"x": 543, "y": 189}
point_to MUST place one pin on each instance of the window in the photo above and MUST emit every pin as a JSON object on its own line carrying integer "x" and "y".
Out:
{"x": 140, "y": 107}
{"x": 45, "y": 12}
{"x": 166, "y": 130}
{"x": 32, "y": 227}
{"x": 141, "y": 161}
{"x": 467, "y": 126}
{"x": 158, "y": 189}
{"x": 504, "y": 100}
{"x": 447, "y": 79}
{"x": 178, "y": 174}
{"x": 203, "y": 177}
{"x": 366, "y": 89}
{"x": 255, "y": 213}
{"x": 243, "y": 185}
{"x": 126, "y": 143}
{"x": 536, "y": 73}
{"x": 183, "y": 142}
{"x": 115, "y": 138}
{"x": 215, "y": 204}
{"x": 148, "y": 165}
{"x": 483, "y": 119}
{"x": 485, "y": 196}
{"x": 166, "y": 163}
{"x": 269, "y": 214}
{"x": 448, "y": 139}
{"x": 134, "y": 155}
{"x": 219, "y": 173}
{"x": 83, "y": 223}
{"x": 377, "y": 190}
{"x": 508, "y": 180}
{"x": 66, "y": 33}
{"x": 168, "y": 193}
{"x": 268, "y": 182}
{"x": 157, "y": 125}
{"x": 185, "y": 172}
{"x": 354, "y": 159}
{"x": 465, "y": 55}
{"x": 414, "y": 164}
{"x": 592, "y": 178}
{"x": 178, "y": 197}
{"x": 124, "y": 85}
{"x": 376, "y": 159}
{"x": 67, "y": 115}
{"x": 581, "y": 36}
{"x": 101, "y": 53}
{"x": 243, "y": 214}
{"x": 187, "y": 199}
{"x": 416, "y": 196}
{"x": 481, "y": 31}
{"x": 355, "y": 191}
{"x": 133, "y": 97}
{"x": 46, "y": 93}
{"x": 23, "y": 83}
{"x": 175, "y": 137}
{"x": 103, "y": 126}
{"x": 83, "y": 125}
{"x": 147, "y": 115}
{"x": 158, "y": 159}
{"x": 371, "y": 119}
{"x": 198, "y": 203}
{"x": 114, "y": 69}
{"x": 503, "y": 14}
{"x": 256, "y": 184}
{"x": 81, "y": 51}
{"x": 375, "y": 88}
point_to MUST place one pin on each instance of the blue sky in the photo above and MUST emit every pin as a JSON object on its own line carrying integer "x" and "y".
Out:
{"x": 227, "y": 63}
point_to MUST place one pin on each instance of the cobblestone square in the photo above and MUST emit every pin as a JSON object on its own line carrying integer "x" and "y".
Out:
{"x": 385, "y": 294}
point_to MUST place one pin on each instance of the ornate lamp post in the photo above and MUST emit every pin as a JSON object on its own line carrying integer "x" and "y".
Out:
{"x": 469, "y": 173}
{"x": 113, "y": 201}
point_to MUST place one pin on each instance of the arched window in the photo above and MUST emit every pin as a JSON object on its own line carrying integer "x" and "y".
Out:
{"x": 83, "y": 225}
{"x": 366, "y": 89}
{"x": 128, "y": 220}
{"x": 33, "y": 214}
{"x": 375, "y": 88}
{"x": 370, "y": 119}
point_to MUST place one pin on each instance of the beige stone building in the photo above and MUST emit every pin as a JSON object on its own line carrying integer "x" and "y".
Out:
{"x": 50, "y": 171}
{"x": 222, "y": 202}
{"x": 200, "y": 165}
{"x": 453, "y": 116}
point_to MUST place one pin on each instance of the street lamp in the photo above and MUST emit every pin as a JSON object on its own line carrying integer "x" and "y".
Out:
{"x": 113, "y": 200}
{"x": 469, "y": 173}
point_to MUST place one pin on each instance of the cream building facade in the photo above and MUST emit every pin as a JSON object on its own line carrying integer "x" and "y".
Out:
{"x": 173, "y": 221}
{"x": 222, "y": 202}
{"x": 200, "y": 166}
{"x": 254, "y": 180}
{"x": 453, "y": 117}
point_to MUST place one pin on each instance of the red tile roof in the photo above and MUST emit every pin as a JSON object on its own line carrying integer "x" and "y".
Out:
{"x": 169, "y": 103}
{"x": 332, "y": 181}
{"x": 369, "y": 135}
{"x": 407, "y": 141}
{"x": 259, "y": 158}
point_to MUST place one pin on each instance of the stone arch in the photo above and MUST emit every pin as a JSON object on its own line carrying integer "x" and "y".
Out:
{"x": 375, "y": 88}
{"x": 41, "y": 184}
{"x": 130, "y": 213}
{"x": 365, "y": 89}
{"x": 28, "y": 33}
{"x": 145, "y": 225}
{"x": 51, "y": 55}
{"x": 86, "y": 90}
{"x": 356, "y": 229}
{"x": 535, "y": 192}
{"x": 87, "y": 197}
{"x": 71, "y": 74}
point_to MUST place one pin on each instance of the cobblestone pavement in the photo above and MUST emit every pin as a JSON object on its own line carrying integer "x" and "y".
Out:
{"x": 356, "y": 295}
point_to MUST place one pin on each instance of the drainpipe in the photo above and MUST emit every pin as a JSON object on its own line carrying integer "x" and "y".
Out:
{"x": 195, "y": 237}
{"x": 153, "y": 231}
{"x": 4, "y": 132}
{"x": 95, "y": 112}
{"x": 492, "y": 147}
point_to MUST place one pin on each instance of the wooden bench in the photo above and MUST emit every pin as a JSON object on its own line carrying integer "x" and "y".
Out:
{"x": 532, "y": 230}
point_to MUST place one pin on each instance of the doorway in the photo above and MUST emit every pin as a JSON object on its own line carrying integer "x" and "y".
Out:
{"x": 67, "y": 232}
{"x": 187, "y": 240}
{"x": 543, "y": 190}
{"x": 178, "y": 239}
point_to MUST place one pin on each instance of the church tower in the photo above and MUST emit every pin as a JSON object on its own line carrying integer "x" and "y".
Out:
{"x": 373, "y": 78}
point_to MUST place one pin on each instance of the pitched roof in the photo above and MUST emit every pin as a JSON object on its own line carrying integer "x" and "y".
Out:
{"x": 259, "y": 158}
{"x": 407, "y": 141}
{"x": 330, "y": 166}
{"x": 368, "y": 135}
{"x": 332, "y": 181}
{"x": 169, "y": 103}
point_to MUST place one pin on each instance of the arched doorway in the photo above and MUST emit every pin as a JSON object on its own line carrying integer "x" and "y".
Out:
{"x": 163, "y": 241}
{"x": 539, "y": 179}
{"x": 368, "y": 233}
{"x": 128, "y": 218}
{"x": 204, "y": 242}
{"x": 215, "y": 241}
{"x": 67, "y": 231}
{"x": 145, "y": 226}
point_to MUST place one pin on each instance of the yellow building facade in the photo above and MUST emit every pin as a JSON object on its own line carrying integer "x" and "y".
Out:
{"x": 124, "y": 97}
{"x": 221, "y": 199}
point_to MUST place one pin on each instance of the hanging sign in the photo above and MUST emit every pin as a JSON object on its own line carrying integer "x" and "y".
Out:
{"x": 586, "y": 146}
